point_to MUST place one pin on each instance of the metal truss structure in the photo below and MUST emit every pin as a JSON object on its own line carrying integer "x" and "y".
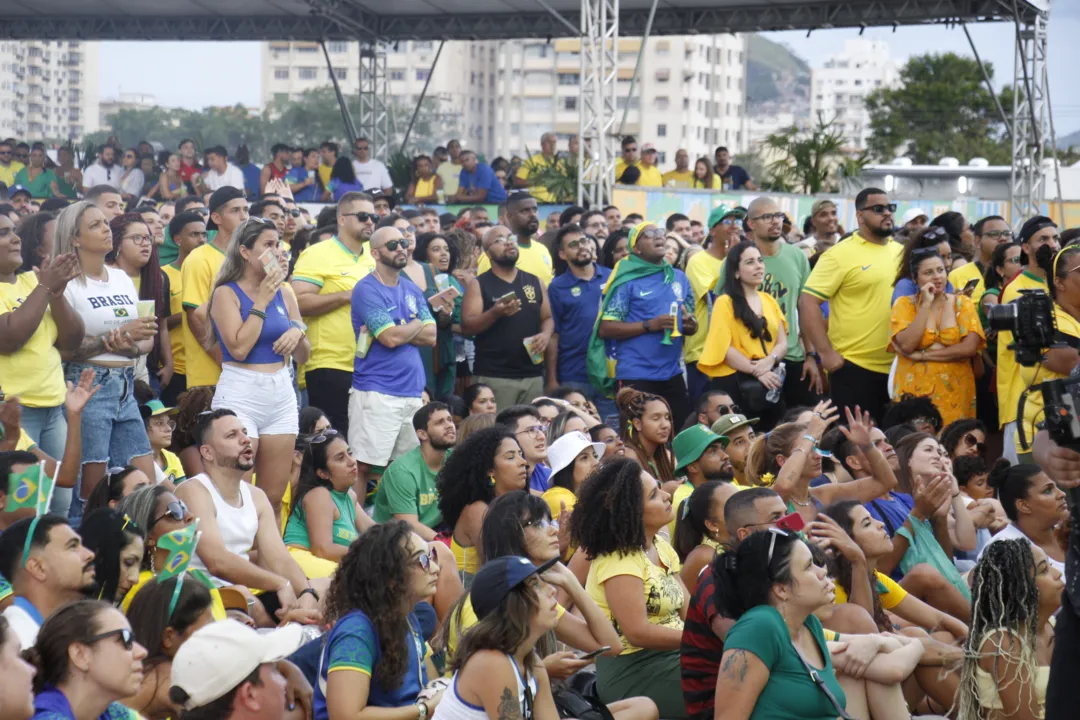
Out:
{"x": 374, "y": 110}
{"x": 1030, "y": 128}
{"x": 599, "y": 81}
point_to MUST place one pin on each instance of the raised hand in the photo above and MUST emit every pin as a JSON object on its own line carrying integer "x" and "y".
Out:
{"x": 79, "y": 394}
{"x": 858, "y": 427}
{"x": 824, "y": 416}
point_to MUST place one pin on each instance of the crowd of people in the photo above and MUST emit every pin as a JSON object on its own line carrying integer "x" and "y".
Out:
{"x": 458, "y": 466}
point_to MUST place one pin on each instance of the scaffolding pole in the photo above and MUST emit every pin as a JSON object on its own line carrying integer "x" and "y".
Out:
{"x": 1029, "y": 122}
{"x": 374, "y": 118}
{"x": 599, "y": 81}
{"x": 346, "y": 117}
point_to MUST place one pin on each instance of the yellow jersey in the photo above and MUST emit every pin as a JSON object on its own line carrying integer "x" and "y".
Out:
{"x": 537, "y": 162}
{"x": 25, "y": 443}
{"x": 33, "y": 372}
{"x": 621, "y": 165}
{"x": 888, "y": 590}
{"x": 534, "y": 258}
{"x": 703, "y": 271}
{"x": 726, "y": 332}
{"x": 176, "y": 305}
{"x": 650, "y": 177}
{"x": 1012, "y": 379}
{"x": 1068, "y": 331}
{"x": 332, "y": 267}
{"x": 856, "y": 278}
{"x": 964, "y": 274}
{"x": 425, "y": 188}
{"x": 324, "y": 174}
{"x": 679, "y": 178}
{"x": 7, "y": 174}
{"x": 197, "y": 277}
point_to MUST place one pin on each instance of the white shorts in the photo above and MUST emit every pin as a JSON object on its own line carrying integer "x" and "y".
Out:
{"x": 264, "y": 402}
{"x": 380, "y": 426}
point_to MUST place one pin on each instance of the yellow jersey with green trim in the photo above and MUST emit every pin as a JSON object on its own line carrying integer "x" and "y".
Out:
{"x": 333, "y": 268}
{"x": 197, "y": 276}
{"x": 33, "y": 372}
{"x": 856, "y": 277}
{"x": 1012, "y": 379}
{"x": 533, "y": 258}
{"x": 1068, "y": 332}
{"x": 176, "y": 305}
{"x": 888, "y": 590}
{"x": 964, "y": 274}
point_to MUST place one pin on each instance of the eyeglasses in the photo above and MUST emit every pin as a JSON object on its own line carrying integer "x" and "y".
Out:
{"x": 995, "y": 234}
{"x": 201, "y": 210}
{"x": 531, "y": 430}
{"x": 176, "y": 510}
{"x": 165, "y": 423}
{"x": 776, "y": 532}
{"x": 410, "y": 230}
{"x": 393, "y": 245}
{"x": 362, "y": 216}
{"x": 327, "y": 434}
{"x": 139, "y": 239}
{"x": 543, "y": 524}
{"x": 654, "y": 233}
{"x": 294, "y": 213}
{"x": 504, "y": 240}
{"x": 973, "y": 441}
{"x": 575, "y": 244}
{"x": 770, "y": 217}
{"x": 127, "y": 638}
{"x": 881, "y": 209}
{"x": 424, "y": 560}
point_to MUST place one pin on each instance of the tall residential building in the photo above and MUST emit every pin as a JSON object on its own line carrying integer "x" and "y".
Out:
{"x": 503, "y": 95}
{"x": 839, "y": 88}
{"x": 48, "y": 89}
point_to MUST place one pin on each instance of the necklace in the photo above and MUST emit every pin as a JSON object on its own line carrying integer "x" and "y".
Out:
{"x": 802, "y": 504}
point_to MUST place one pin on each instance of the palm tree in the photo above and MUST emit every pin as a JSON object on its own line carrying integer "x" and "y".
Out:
{"x": 809, "y": 161}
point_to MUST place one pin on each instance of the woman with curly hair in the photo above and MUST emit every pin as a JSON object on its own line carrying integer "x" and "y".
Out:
{"x": 191, "y": 403}
{"x": 1015, "y": 591}
{"x": 489, "y": 463}
{"x": 634, "y": 578}
{"x": 376, "y": 636}
{"x": 646, "y": 429}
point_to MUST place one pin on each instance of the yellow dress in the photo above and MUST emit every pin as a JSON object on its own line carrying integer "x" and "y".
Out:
{"x": 425, "y": 188}
{"x": 951, "y": 385}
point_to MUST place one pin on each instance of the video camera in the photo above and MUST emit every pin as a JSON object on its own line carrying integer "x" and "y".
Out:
{"x": 1030, "y": 318}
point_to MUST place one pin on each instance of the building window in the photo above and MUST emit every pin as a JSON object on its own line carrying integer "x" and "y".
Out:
{"x": 661, "y": 131}
{"x": 281, "y": 73}
{"x": 539, "y": 105}
{"x": 307, "y": 73}
{"x": 661, "y": 102}
{"x": 663, "y": 75}
{"x": 341, "y": 73}
{"x": 397, "y": 75}
{"x": 538, "y": 50}
{"x": 661, "y": 158}
{"x": 569, "y": 103}
{"x": 422, "y": 74}
{"x": 338, "y": 47}
{"x": 569, "y": 79}
{"x": 306, "y": 48}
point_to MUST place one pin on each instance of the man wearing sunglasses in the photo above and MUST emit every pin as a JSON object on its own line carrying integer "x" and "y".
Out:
{"x": 50, "y": 571}
{"x": 370, "y": 173}
{"x": 9, "y": 166}
{"x": 387, "y": 380}
{"x": 855, "y": 277}
{"x": 323, "y": 279}
{"x": 989, "y": 232}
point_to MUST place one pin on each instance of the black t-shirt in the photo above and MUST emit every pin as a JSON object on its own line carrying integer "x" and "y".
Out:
{"x": 735, "y": 178}
{"x": 500, "y": 350}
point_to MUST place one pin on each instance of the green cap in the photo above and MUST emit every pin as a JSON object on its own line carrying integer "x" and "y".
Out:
{"x": 154, "y": 408}
{"x": 731, "y": 421}
{"x": 722, "y": 211}
{"x": 690, "y": 443}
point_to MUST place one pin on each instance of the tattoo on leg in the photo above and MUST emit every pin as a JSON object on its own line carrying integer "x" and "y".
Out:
{"x": 735, "y": 666}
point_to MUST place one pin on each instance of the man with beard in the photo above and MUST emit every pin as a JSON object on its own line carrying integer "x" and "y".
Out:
{"x": 786, "y": 271}
{"x": 989, "y": 232}
{"x": 739, "y": 430}
{"x": 856, "y": 279}
{"x": 532, "y": 255}
{"x": 1039, "y": 244}
{"x": 58, "y": 569}
{"x": 700, "y": 458}
{"x": 824, "y": 225}
{"x": 575, "y": 301}
{"x": 394, "y": 321}
{"x": 236, "y": 519}
{"x": 407, "y": 489}
{"x": 323, "y": 278}
{"x": 103, "y": 171}
{"x": 507, "y": 310}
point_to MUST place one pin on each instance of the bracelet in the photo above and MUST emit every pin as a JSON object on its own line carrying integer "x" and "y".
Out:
{"x": 795, "y": 450}
{"x": 257, "y": 313}
{"x": 811, "y": 438}
{"x": 645, "y": 325}
{"x": 308, "y": 591}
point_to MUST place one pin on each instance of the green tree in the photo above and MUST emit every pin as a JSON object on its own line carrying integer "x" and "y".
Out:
{"x": 810, "y": 161}
{"x": 941, "y": 108}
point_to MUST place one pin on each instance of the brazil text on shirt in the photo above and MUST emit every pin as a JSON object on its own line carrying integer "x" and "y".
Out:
{"x": 574, "y": 305}
{"x": 391, "y": 371}
{"x": 120, "y": 302}
{"x": 645, "y": 357}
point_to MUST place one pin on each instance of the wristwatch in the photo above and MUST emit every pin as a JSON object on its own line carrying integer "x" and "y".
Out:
{"x": 421, "y": 710}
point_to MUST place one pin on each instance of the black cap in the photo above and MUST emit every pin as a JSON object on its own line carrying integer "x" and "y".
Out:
{"x": 497, "y": 578}
{"x": 1034, "y": 225}
{"x": 221, "y": 196}
{"x": 54, "y": 203}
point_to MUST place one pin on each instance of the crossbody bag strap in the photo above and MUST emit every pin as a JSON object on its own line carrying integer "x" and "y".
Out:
{"x": 815, "y": 676}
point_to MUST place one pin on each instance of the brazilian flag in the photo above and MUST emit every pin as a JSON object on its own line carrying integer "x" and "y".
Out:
{"x": 181, "y": 546}
{"x": 31, "y": 488}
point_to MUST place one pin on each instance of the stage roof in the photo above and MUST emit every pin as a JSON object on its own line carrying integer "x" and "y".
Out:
{"x": 393, "y": 20}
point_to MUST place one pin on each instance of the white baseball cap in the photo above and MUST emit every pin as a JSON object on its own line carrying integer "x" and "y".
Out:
{"x": 563, "y": 451}
{"x": 912, "y": 214}
{"x": 219, "y": 656}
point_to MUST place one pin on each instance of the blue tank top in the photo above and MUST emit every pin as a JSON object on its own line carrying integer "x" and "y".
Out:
{"x": 274, "y": 326}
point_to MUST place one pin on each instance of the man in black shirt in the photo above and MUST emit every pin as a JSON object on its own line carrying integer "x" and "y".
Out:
{"x": 507, "y": 311}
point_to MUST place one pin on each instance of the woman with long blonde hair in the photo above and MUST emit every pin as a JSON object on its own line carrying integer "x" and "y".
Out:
{"x": 257, "y": 324}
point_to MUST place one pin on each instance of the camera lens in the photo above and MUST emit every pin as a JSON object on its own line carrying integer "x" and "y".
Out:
{"x": 1002, "y": 317}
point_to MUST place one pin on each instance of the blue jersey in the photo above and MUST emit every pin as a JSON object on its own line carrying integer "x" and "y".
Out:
{"x": 646, "y": 357}
{"x": 391, "y": 371}
{"x": 575, "y": 304}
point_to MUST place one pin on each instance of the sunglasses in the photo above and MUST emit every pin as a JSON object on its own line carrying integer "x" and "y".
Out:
{"x": 176, "y": 510}
{"x": 127, "y": 638}
{"x": 425, "y": 560}
{"x": 543, "y": 524}
{"x": 775, "y": 532}
{"x": 362, "y": 216}
{"x": 731, "y": 409}
{"x": 881, "y": 209}
{"x": 294, "y": 213}
{"x": 393, "y": 245}
{"x": 973, "y": 441}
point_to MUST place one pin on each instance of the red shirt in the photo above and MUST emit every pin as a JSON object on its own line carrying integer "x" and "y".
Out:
{"x": 701, "y": 650}
{"x": 187, "y": 172}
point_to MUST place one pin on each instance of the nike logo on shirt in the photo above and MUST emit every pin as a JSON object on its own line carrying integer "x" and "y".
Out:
{"x": 642, "y": 293}
{"x": 864, "y": 267}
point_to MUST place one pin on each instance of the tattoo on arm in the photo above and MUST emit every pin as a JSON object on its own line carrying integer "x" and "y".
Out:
{"x": 735, "y": 666}
{"x": 92, "y": 346}
{"x": 509, "y": 708}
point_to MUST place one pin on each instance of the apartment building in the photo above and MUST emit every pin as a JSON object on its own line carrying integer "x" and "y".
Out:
{"x": 839, "y": 88}
{"x": 48, "y": 89}
{"x": 505, "y": 94}
{"x": 123, "y": 101}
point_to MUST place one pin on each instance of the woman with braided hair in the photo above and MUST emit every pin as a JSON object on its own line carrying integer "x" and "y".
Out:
{"x": 645, "y": 427}
{"x": 1006, "y": 669}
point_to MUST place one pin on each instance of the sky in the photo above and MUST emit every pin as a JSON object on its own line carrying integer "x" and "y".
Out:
{"x": 235, "y": 72}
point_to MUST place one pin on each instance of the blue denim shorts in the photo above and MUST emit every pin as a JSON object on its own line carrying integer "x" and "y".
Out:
{"x": 112, "y": 429}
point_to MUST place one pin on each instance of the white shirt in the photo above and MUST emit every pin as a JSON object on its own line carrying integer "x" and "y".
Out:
{"x": 1011, "y": 532}
{"x": 237, "y": 525}
{"x": 133, "y": 183}
{"x": 98, "y": 174}
{"x": 25, "y": 627}
{"x": 373, "y": 175}
{"x": 104, "y": 306}
{"x": 232, "y": 177}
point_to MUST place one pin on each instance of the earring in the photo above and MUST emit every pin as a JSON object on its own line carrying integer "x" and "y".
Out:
{"x": 491, "y": 478}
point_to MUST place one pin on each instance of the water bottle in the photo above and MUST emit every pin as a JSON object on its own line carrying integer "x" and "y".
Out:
{"x": 774, "y": 395}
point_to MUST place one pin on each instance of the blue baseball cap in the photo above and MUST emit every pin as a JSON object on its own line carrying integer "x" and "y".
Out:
{"x": 16, "y": 189}
{"x": 498, "y": 577}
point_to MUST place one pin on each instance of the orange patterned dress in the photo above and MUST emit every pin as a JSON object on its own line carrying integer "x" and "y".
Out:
{"x": 951, "y": 385}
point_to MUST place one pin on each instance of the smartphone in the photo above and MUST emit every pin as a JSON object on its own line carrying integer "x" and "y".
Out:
{"x": 970, "y": 286}
{"x": 269, "y": 260}
{"x": 590, "y": 655}
{"x": 507, "y": 297}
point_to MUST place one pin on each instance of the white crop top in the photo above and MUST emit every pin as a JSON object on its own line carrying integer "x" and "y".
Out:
{"x": 237, "y": 525}
{"x": 104, "y": 306}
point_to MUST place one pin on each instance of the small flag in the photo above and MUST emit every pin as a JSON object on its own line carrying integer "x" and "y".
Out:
{"x": 181, "y": 546}
{"x": 32, "y": 488}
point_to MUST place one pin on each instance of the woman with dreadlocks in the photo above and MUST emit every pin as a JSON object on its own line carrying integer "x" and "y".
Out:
{"x": 1014, "y": 592}
{"x": 634, "y": 578}
{"x": 645, "y": 426}
{"x": 376, "y": 636}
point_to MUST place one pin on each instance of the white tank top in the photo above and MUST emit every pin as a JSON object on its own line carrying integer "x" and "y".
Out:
{"x": 452, "y": 707}
{"x": 237, "y": 525}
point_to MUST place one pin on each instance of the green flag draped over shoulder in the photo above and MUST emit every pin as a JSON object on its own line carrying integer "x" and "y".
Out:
{"x": 629, "y": 268}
